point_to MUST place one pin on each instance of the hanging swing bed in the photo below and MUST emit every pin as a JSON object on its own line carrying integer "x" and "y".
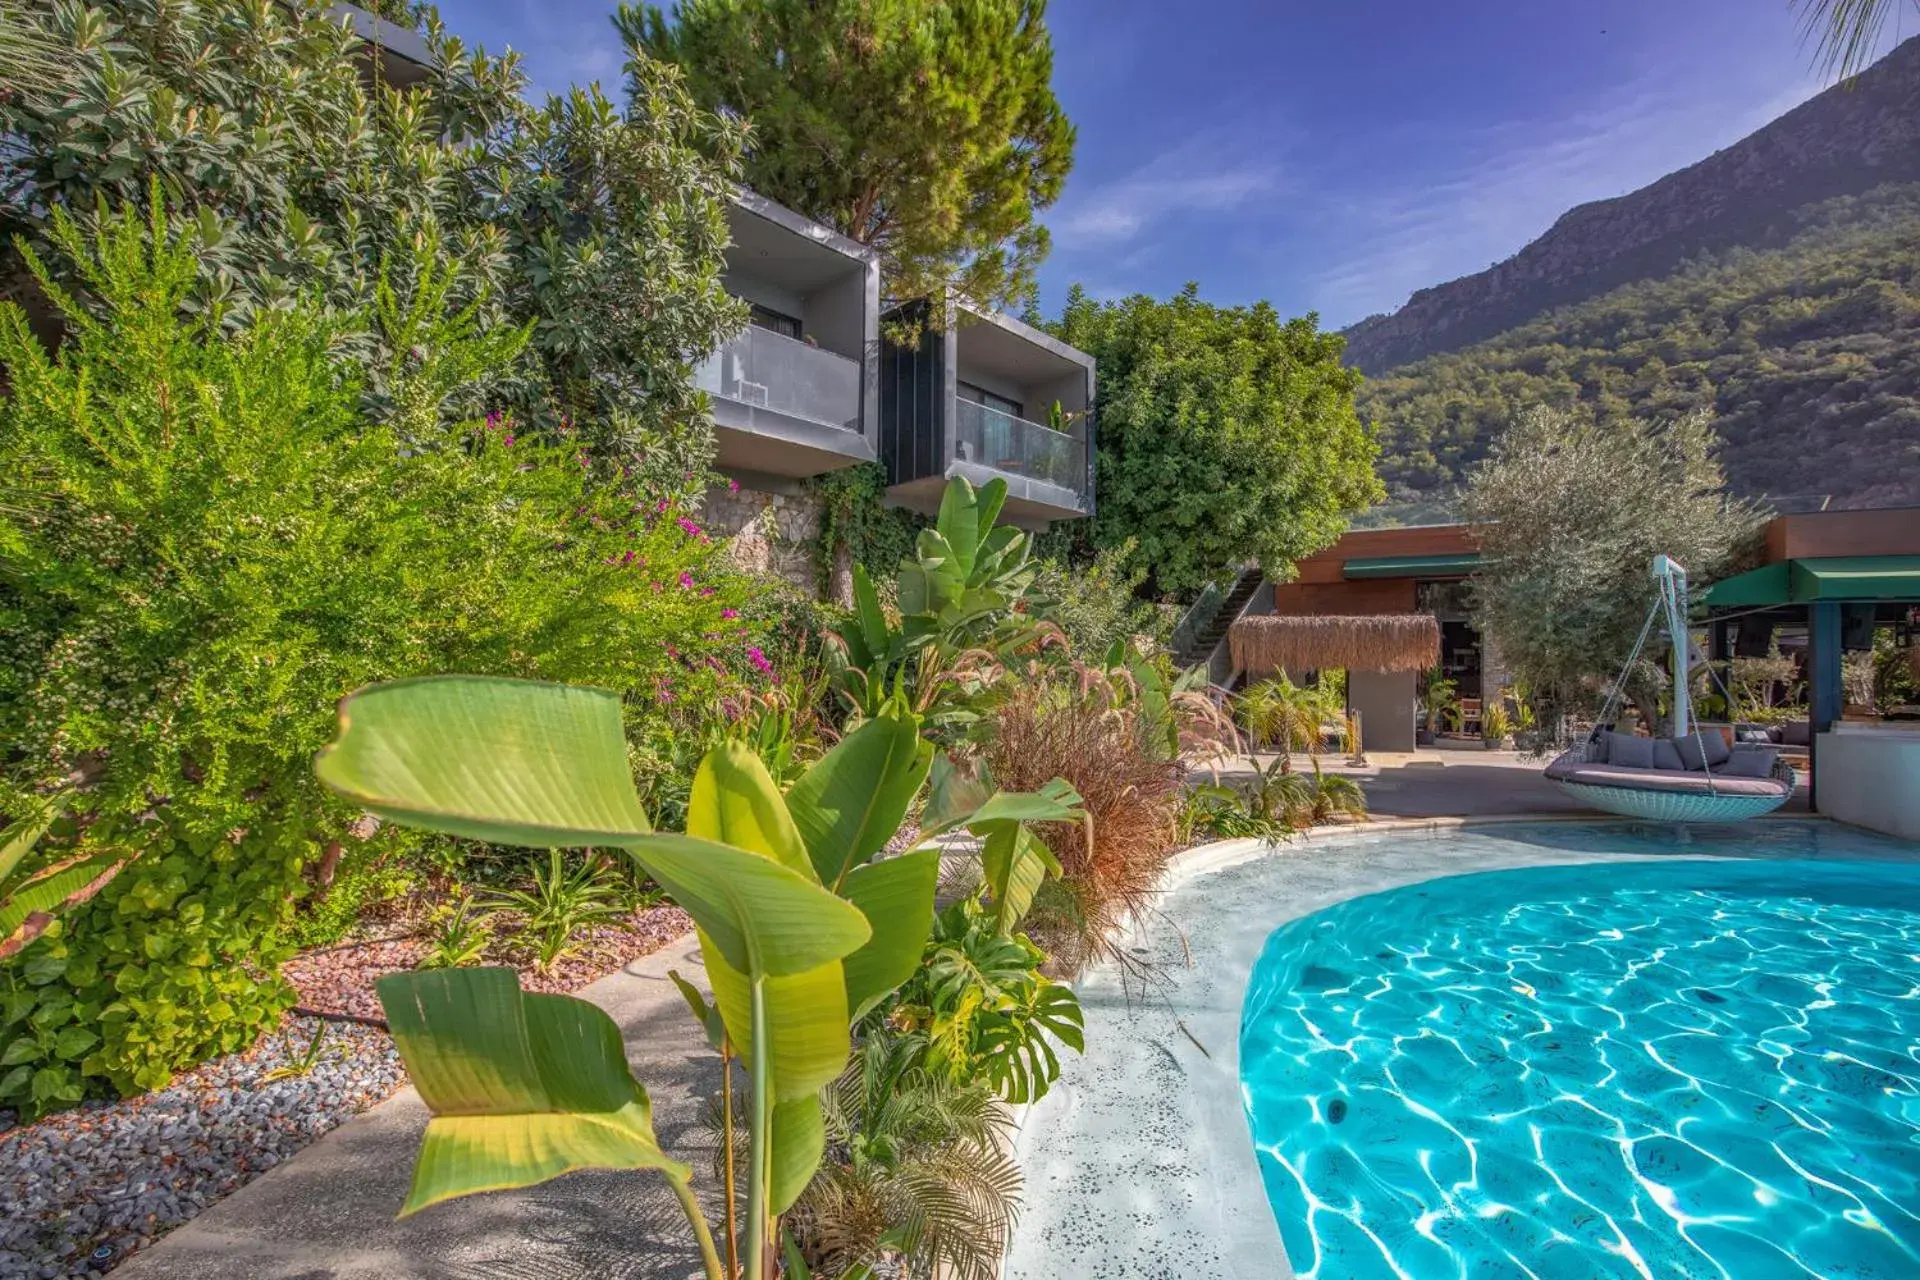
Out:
{"x": 1693, "y": 777}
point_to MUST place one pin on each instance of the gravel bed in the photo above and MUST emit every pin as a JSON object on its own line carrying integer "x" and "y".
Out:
{"x": 340, "y": 979}
{"x": 86, "y": 1187}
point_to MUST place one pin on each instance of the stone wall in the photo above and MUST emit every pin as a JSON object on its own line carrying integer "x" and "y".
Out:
{"x": 769, "y": 533}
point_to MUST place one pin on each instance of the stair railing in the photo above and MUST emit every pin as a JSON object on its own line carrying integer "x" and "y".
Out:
{"x": 1205, "y": 607}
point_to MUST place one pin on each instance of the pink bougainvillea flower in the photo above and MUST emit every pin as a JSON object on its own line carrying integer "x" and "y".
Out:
{"x": 627, "y": 558}
{"x": 759, "y": 660}
{"x": 730, "y": 613}
{"x": 686, "y": 580}
{"x": 507, "y": 440}
{"x": 733, "y": 486}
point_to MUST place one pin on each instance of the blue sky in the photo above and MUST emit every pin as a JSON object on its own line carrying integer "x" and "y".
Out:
{"x": 1334, "y": 157}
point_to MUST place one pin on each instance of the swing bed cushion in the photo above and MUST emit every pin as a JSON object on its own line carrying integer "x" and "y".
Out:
{"x": 1730, "y": 782}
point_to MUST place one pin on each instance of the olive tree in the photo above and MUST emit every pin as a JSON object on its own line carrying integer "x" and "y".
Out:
{"x": 1570, "y": 516}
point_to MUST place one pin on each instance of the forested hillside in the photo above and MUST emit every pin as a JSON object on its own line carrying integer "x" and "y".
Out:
{"x": 1848, "y": 140}
{"x": 1808, "y": 356}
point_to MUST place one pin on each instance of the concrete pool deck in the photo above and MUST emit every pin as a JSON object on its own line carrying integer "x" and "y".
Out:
{"x": 1139, "y": 1162}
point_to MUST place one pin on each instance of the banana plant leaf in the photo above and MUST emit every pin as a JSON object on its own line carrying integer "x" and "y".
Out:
{"x": 508, "y": 761}
{"x": 1014, "y": 863}
{"x": 29, "y": 907}
{"x": 806, "y": 1014}
{"x": 31, "y": 900}
{"x": 703, "y": 1013}
{"x": 522, "y": 762}
{"x": 849, "y": 804}
{"x": 896, "y": 896}
{"x": 523, "y": 1087}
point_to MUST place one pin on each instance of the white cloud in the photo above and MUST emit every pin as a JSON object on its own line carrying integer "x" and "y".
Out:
{"x": 1121, "y": 210}
{"x": 1518, "y": 177}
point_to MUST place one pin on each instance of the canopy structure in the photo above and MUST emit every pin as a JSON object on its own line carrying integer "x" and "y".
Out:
{"x": 1367, "y": 642}
{"x": 1455, "y": 564}
{"x": 1858, "y": 578}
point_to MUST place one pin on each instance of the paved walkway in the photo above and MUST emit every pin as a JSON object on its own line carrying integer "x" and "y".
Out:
{"x": 329, "y": 1212}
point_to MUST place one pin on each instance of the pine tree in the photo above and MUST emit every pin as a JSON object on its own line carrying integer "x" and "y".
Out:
{"x": 927, "y": 130}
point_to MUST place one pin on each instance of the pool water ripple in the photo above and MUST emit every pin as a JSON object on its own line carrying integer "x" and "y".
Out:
{"x": 1665, "y": 1069}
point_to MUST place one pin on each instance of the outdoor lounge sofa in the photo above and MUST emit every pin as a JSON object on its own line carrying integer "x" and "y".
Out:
{"x": 1697, "y": 778}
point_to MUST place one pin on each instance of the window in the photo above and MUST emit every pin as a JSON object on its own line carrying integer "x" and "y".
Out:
{"x": 986, "y": 399}
{"x": 779, "y": 322}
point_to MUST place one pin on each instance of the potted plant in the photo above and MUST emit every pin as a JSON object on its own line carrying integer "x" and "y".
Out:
{"x": 1438, "y": 702}
{"x": 1496, "y": 726}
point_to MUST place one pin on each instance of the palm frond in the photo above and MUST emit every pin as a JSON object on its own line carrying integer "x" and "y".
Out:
{"x": 1845, "y": 33}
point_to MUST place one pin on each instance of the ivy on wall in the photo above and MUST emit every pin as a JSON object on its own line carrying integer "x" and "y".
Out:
{"x": 852, "y": 514}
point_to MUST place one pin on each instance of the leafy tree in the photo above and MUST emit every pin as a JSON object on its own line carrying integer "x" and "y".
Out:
{"x": 1571, "y": 515}
{"x": 1226, "y": 434}
{"x": 601, "y": 229}
{"x": 928, "y": 130}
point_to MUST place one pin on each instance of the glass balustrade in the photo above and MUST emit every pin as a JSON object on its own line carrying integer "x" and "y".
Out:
{"x": 763, "y": 369}
{"x": 992, "y": 438}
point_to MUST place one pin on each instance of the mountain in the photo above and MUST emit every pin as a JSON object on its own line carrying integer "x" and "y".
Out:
{"x": 1806, "y": 355}
{"x": 1845, "y": 141}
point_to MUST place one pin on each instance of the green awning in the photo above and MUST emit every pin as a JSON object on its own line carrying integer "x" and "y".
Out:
{"x": 1457, "y": 565}
{"x": 1825, "y": 578}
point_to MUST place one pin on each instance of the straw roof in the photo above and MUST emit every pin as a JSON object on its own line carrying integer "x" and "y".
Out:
{"x": 1374, "y": 642}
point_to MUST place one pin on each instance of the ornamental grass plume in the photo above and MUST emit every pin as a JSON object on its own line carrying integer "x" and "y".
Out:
{"x": 1079, "y": 723}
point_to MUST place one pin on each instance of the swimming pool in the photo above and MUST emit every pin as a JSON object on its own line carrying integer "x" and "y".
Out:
{"x": 1664, "y": 1069}
{"x": 1140, "y": 1164}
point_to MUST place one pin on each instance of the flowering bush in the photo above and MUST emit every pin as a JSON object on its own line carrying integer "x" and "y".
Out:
{"x": 206, "y": 544}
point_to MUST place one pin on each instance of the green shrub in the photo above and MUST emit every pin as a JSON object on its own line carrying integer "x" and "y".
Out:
{"x": 599, "y": 230}
{"x": 172, "y": 963}
{"x": 367, "y": 875}
{"x": 206, "y": 544}
{"x": 1095, "y": 604}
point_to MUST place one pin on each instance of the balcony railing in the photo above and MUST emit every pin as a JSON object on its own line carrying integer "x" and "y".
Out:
{"x": 763, "y": 369}
{"x": 995, "y": 439}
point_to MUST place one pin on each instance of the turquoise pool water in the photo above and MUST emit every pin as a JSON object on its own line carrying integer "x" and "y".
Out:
{"x": 1666, "y": 1069}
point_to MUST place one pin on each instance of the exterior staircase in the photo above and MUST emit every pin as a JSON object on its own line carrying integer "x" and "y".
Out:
{"x": 1205, "y": 626}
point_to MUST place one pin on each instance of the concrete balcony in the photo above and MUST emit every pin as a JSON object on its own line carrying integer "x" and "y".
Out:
{"x": 796, "y": 393}
{"x": 969, "y": 399}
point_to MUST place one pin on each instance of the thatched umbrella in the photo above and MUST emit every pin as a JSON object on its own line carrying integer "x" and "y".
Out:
{"x": 1372, "y": 642}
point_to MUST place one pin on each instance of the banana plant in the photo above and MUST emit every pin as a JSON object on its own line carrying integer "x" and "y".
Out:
{"x": 1014, "y": 861}
{"x": 959, "y": 598}
{"x": 964, "y": 568}
{"x": 34, "y": 891}
{"x": 802, "y": 931}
